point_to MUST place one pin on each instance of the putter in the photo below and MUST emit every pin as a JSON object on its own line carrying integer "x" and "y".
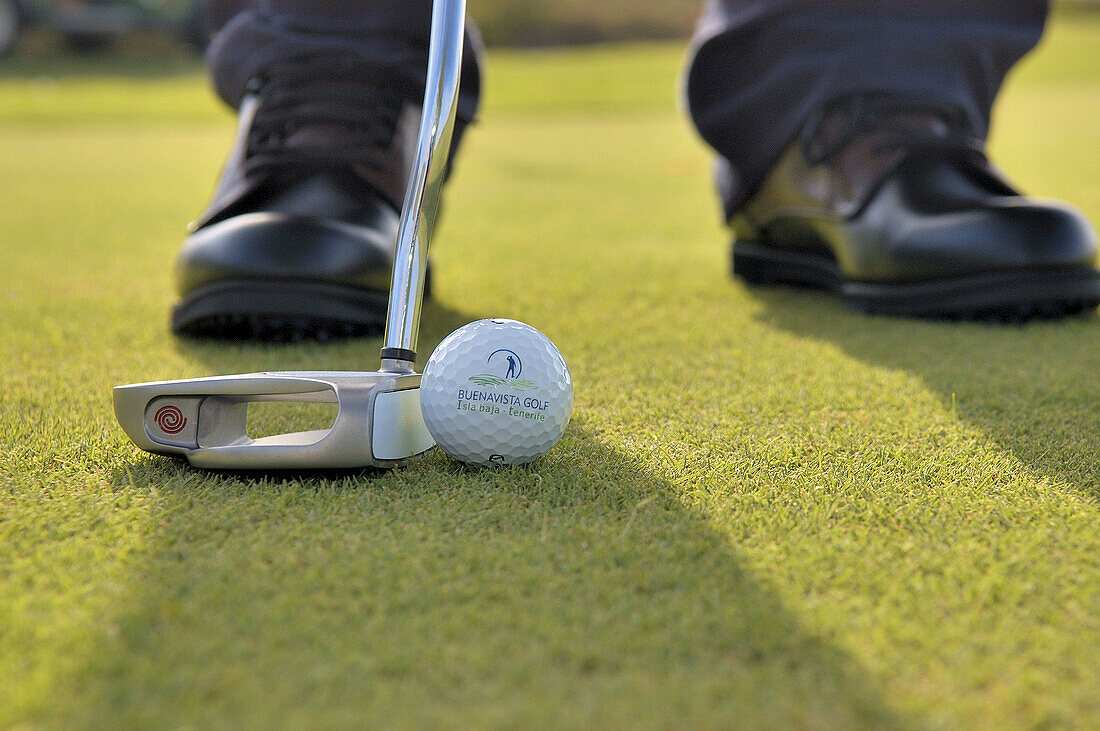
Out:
{"x": 379, "y": 423}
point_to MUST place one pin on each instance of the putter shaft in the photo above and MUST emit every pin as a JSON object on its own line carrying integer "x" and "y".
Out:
{"x": 425, "y": 184}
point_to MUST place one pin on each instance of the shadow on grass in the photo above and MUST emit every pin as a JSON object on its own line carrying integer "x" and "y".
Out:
{"x": 1032, "y": 389}
{"x": 579, "y": 591}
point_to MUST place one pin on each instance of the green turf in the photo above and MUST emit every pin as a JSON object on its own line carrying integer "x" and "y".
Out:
{"x": 766, "y": 511}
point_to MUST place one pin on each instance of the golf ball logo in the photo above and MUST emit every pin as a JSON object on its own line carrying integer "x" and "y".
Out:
{"x": 520, "y": 404}
{"x": 506, "y": 362}
{"x": 515, "y": 365}
{"x": 170, "y": 420}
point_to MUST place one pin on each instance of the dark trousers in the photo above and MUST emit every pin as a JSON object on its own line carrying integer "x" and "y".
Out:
{"x": 758, "y": 68}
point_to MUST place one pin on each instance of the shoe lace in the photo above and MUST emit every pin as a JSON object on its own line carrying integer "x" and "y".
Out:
{"x": 361, "y": 102}
{"x": 897, "y": 124}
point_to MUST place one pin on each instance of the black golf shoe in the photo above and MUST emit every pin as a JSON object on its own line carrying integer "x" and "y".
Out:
{"x": 298, "y": 241}
{"x": 894, "y": 207}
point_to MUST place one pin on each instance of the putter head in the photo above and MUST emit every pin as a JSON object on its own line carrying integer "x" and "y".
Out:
{"x": 379, "y": 423}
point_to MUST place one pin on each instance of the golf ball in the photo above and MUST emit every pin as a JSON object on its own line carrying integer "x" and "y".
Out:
{"x": 496, "y": 392}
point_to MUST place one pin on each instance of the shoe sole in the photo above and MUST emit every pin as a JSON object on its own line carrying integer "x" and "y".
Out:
{"x": 280, "y": 311}
{"x": 1014, "y": 296}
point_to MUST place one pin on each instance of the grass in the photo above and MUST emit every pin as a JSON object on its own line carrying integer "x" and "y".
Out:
{"x": 572, "y": 21}
{"x": 767, "y": 511}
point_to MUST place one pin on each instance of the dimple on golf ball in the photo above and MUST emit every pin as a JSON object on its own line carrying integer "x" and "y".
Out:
{"x": 496, "y": 392}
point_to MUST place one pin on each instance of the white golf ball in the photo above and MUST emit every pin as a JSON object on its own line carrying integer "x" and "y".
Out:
{"x": 496, "y": 392}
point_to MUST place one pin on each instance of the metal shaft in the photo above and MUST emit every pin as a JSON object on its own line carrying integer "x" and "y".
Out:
{"x": 425, "y": 184}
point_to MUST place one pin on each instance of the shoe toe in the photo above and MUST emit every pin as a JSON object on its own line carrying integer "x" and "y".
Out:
{"x": 287, "y": 247}
{"x": 901, "y": 241}
{"x": 1048, "y": 234}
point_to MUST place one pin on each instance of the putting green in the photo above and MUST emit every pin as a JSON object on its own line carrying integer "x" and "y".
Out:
{"x": 766, "y": 511}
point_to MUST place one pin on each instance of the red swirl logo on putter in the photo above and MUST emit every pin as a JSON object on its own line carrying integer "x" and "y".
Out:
{"x": 170, "y": 419}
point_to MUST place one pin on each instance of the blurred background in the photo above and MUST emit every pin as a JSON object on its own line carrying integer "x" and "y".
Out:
{"x": 91, "y": 26}
{"x": 96, "y": 25}
{"x": 87, "y": 26}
